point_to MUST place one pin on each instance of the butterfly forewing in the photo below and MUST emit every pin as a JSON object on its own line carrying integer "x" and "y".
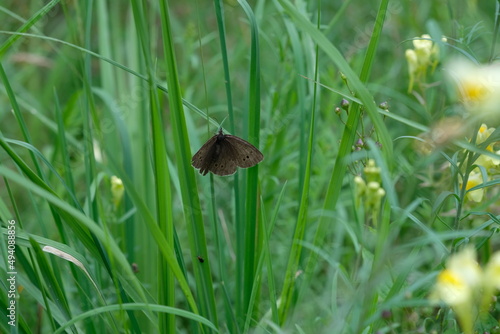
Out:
{"x": 246, "y": 155}
{"x": 202, "y": 158}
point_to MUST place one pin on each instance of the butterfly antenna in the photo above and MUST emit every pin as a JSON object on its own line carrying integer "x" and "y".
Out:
{"x": 220, "y": 125}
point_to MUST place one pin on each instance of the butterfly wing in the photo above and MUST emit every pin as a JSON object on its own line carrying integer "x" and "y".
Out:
{"x": 245, "y": 154}
{"x": 216, "y": 156}
{"x": 223, "y": 162}
{"x": 222, "y": 154}
{"x": 203, "y": 158}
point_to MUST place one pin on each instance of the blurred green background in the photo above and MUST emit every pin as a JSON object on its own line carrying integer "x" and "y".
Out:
{"x": 286, "y": 249}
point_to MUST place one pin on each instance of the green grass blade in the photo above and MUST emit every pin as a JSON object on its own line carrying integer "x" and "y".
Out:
{"x": 163, "y": 196}
{"x": 354, "y": 81}
{"x": 138, "y": 307}
{"x": 190, "y": 199}
{"x": 55, "y": 290}
{"x": 70, "y": 214}
{"x": 239, "y": 218}
{"x": 352, "y": 121}
{"x": 27, "y": 25}
{"x": 301, "y": 224}
{"x": 251, "y": 213}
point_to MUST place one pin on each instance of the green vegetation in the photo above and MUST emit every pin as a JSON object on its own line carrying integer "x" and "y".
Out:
{"x": 380, "y": 172}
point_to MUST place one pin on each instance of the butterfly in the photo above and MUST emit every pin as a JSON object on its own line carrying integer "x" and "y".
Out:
{"x": 222, "y": 153}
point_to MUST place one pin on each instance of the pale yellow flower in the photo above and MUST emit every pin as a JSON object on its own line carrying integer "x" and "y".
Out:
{"x": 464, "y": 265}
{"x": 451, "y": 288}
{"x": 478, "y": 87}
{"x": 360, "y": 185}
{"x": 474, "y": 180}
{"x": 485, "y": 160}
{"x": 423, "y": 49}
{"x": 492, "y": 272}
{"x": 372, "y": 171}
{"x": 466, "y": 288}
{"x": 457, "y": 284}
{"x": 491, "y": 281}
{"x": 425, "y": 54}
{"x": 412, "y": 59}
{"x": 424, "y": 43}
{"x": 368, "y": 190}
{"x": 483, "y": 133}
{"x": 488, "y": 161}
{"x": 372, "y": 189}
{"x": 435, "y": 49}
{"x": 373, "y": 200}
{"x": 359, "y": 189}
{"x": 117, "y": 190}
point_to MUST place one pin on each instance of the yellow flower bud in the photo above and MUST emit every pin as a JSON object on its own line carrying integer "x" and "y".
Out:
{"x": 117, "y": 190}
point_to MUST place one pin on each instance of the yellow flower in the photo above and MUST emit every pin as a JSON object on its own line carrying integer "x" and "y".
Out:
{"x": 474, "y": 179}
{"x": 435, "y": 49}
{"x": 485, "y": 160}
{"x": 359, "y": 189}
{"x": 478, "y": 87}
{"x": 492, "y": 272}
{"x": 412, "y": 59}
{"x": 452, "y": 289}
{"x": 457, "y": 284}
{"x": 424, "y": 43}
{"x": 423, "y": 48}
{"x": 483, "y": 133}
{"x": 369, "y": 192}
{"x": 425, "y": 54}
{"x": 491, "y": 281}
{"x": 360, "y": 185}
{"x": 373, "y": 200}
{"x": 465, "y": 266}
{"x": 372, "y": 172}
{"x": 466, "y": 288}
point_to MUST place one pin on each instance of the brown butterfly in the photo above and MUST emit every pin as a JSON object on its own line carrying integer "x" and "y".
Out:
{"x": 222, "y": 153}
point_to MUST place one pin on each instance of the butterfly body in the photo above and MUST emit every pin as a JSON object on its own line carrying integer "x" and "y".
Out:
{"x": 222, "y": 154}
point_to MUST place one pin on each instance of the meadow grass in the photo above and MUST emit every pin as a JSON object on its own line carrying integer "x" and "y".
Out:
{"x": 345, "y": 226}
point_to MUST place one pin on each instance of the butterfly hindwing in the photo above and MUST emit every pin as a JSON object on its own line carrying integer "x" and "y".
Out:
{"x": 224, "y": 163}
